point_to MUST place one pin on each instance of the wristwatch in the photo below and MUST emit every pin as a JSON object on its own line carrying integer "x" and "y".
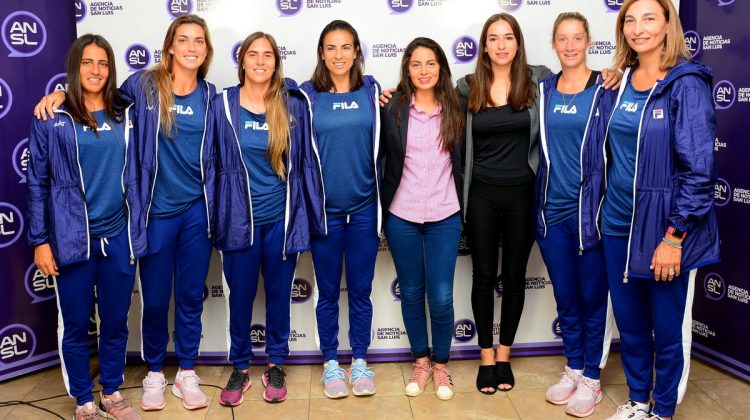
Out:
{"x": 677, "y": 233}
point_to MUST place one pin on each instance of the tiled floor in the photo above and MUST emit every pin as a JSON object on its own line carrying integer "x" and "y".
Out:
{"x": 711, "y": 394}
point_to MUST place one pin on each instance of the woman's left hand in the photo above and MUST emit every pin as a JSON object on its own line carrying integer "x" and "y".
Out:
{"x": 612, "y": 78}
{"x": 666, "y": 262}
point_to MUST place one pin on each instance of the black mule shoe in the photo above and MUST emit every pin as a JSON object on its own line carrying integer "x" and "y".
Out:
{"x": 504, "y": 375}
{"x": 486, "y": 378}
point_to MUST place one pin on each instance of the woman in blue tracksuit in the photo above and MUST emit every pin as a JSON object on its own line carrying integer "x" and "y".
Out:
{"x": 657, "y": 219}
{"x": 260, "y": 169}
{"x": 569, "y": 185}
{"x": 346, "y": 127}
{"x": 81, "y": 223}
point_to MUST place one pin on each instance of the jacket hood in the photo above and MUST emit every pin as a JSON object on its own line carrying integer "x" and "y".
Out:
{"x": 685, "y": 68}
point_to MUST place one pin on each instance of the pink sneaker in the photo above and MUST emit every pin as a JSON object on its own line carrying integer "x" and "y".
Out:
{"x": 443, "y": 382}
{"x": 186, "y": 387}
{"x": 273, "y": 380}
{"x": 154, "y": 385}
{"x": 88, "y": 411}
{"x": 238, "y": 383}
{"x": 420, "y": 377}
{"x": 117, "y": 407}
{"x": 561, "y": 392}
{"x": 584, "y": 400}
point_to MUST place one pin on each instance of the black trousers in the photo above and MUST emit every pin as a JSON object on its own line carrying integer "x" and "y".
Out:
{"x": 498, "y": 212}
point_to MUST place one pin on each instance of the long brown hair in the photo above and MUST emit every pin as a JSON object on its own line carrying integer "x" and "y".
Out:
{"x": 276, "y": 112}
{"x": 522, "y": 90}
{"x": 674, "y": 43}
{"x": 321, "y": 78}
{"x": 161, "y": 74}
{"x": 453, "y": 120}
{"x": 74, "y": 100}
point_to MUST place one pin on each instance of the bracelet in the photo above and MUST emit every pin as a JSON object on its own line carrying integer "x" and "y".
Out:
{"x": 671, "y": 243}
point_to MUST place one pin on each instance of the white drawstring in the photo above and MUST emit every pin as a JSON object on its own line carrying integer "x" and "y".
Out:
{"x": 103, "y": 241}
{"x": 347, "y": 218}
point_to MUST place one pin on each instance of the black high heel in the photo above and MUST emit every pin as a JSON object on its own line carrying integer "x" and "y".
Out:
{"x": 486, "y": 378}
{"x": 504, "y": 375}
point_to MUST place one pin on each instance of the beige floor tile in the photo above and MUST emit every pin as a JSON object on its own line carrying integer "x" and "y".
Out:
{"x": 613, "y": 373}
{"x": 464, "y": 405}
{"x": 537, "y": 372}
{"x": 617, "y": 393}
{"x": 698, "y": 405}
{"x": 732, "y": 394}
{"x": 530, "y": 404}
{"x": 375, "y": 407}
{"x": 16, "y": 389}
{"x": 261, "y": 410}
{"x": 700, "y": 370}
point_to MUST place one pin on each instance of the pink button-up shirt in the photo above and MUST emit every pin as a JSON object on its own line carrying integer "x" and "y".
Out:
{"x": 427, "y": 191}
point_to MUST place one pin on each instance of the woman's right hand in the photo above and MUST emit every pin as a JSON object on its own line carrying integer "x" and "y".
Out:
{"x": 48, "y": 105}
{"x": 45, "y": 261}
{"x": 386, "y": 96}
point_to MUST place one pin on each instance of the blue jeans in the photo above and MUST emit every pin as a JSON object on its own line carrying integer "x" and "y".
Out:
{"x": 425, "y": 259}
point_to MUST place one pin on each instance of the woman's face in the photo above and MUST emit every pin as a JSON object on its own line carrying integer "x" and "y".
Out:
{"x": 189, "y": 47}
{"x": 94, "y": 69}
{"x": 501, "y": 44}
{"x": 570, "y": 43}
{"x": 424, "y": 69}
{"x": 339, "y": 52}
{"x": 645, "y": 26}
{"x": 259, "y": 62}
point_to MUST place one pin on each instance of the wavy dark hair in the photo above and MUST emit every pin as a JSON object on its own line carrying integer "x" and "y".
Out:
{"x": 453, "y": 121}
{"x": 321, "y": 78}
{"x": 74, "y": 100}
{"x": 522, "y": 90}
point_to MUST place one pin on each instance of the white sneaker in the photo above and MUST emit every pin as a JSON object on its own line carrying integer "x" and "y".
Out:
{"x": 630, "y": 411}
{"x": 584, "y": 400}
{"x": 186, "y": 387}
{"x": 154, "y": 385}
{"x": 561, "y": 392}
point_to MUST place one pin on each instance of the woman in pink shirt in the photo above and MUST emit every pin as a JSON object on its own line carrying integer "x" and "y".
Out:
{"x": 421, "y": 136}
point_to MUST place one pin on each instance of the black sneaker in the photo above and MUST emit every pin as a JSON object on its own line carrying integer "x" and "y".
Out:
{"x": 239, "y": 382}
{"x": 273, "y": 380}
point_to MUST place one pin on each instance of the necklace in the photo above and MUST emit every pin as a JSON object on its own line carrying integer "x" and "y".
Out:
{"x": 253, "y": 107}
{"x": 567, "y": 104}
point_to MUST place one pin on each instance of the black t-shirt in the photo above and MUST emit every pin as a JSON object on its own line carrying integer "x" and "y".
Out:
{"x": 501, "y": 146}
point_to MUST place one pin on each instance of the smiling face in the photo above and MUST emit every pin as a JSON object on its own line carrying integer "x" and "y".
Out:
{"x": 570, "y": 43}
{"x": 259, "y": 62}
{"x": 501, "y": 44}
{"x": 424, "y": 69}
{"x": 94, "y": 69}
{"x": 645, "y": 27}
{"x": 188, "y": 48}
{"x": 339, "y": 52}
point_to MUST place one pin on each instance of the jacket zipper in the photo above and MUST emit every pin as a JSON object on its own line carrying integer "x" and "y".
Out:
{"x": 203, "y": 176}
{"x": 247, "y": 174}
{"x": 580, "y": 163}
{"x": 83, "y": 188}
{"x": 122, "y": 181}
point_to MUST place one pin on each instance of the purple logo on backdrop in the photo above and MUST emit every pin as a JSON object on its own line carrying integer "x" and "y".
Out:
{"x": 80, "y": 7}
{"x": 137, "y": 57}
{"x": 23, "y": 34}
{"x": 714, "y": 286}
{"x": 38, "y": 286}
{"x": 724, "y": 94}
{"x": 235, "y": 51}
{"x": 396, "y": 290}
{"x": 17, "y": 342}
{"x": 613, "y": 5}
{"x": 11, "y": 224}
{"x": 465, "y": 49}
{"x": 464, "y": 330}
{"x": 21, "y": 159}
{"x": 510, "y": 5}
{"x": 57, "y": 82}
{"x": 258, "y": 335}
{"x": 301, "y": 290}
{"x": 722, "y": 192}
{"x": 693, "y": 42}
{"x": 499, "y": 285}
{"x": 177, "y": 8}
{"x": 6, "y": 98}
{"x": 400, "y": 6}
{"x": 556, "y": 330}
{"x": 289, "y": 7}
{"x": 724, "y": 2}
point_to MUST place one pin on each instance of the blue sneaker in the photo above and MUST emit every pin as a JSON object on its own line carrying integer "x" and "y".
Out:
{"x": 361, "y": 378}
{"x": 334, "y": 385}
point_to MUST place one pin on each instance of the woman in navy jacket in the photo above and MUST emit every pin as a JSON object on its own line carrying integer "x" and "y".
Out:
{"x": 569, "y": 186}
{"x": 658, "y": 219}
{"x": 80, "y": 223}
{"x": 265, "y": 195}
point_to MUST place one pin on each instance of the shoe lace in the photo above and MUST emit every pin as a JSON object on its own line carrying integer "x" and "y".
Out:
{"x": 332, "y": 372}
{"x": 153, "y": 381}
{"x": 237, "y": 379}
{"x": 89, "y": 411}
{"x": 190, "y": 378}
{"x": 569, "y": 377}
{"x": 361, "y": 371}
{"x": 627, "y": 409}
{"x": 589, "y": 388}
{"x": 421, "y": 373}
{"x": 276, "y": 376}
{"x": 442, "y": 376}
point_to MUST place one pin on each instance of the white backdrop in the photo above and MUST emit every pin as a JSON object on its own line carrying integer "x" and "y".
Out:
{"x": 136, "y": 30}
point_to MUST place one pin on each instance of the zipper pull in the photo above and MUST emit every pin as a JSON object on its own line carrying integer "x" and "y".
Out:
{"x": 580, "y": 250}
{"x": 283, "y": 255}
{"x": 208, "y": 232}
{"x": 132, "y": 260}
{"x": 625, "y": 278}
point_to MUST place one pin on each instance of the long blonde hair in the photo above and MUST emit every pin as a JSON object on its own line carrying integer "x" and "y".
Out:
{"x": 674, "y": 43}
{"x": 161, "y": 74}
{"x": 276, "y": 112}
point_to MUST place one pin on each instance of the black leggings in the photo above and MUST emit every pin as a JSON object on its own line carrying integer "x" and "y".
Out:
{"x": 498, "y": 212}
